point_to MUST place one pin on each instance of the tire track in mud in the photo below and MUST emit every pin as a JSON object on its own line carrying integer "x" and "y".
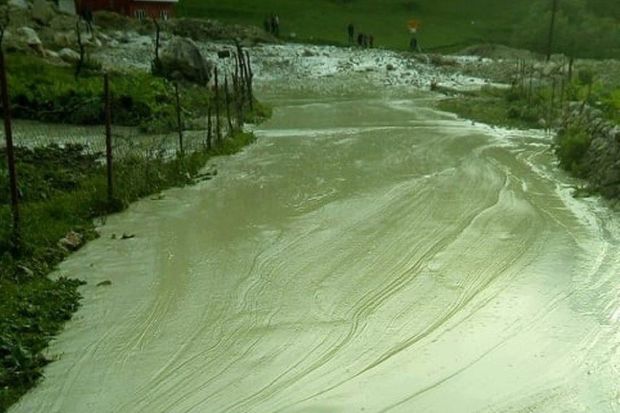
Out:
{"x": 469, "y": 293}
{"x": 372, "y": 300}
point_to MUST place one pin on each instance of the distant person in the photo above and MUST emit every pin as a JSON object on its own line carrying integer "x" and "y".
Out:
{"x": 413, "y": 44}
{"x": 371, "y": 41}
{"x": 267, "y": 25}
{"x": 360, "y": 39}
{"x": 87, "y": 15}
{"x": 275, "y": 25}
{"x": 365, "y": 41}
{"x": 351, "y": 31}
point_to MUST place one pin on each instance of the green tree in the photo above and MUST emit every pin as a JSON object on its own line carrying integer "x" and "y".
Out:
{"x": 578, "y": 31}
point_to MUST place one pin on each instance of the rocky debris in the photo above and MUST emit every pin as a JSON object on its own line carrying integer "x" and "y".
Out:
{"x": 43, "y": 11}
{"x": 72, "y": 241}
{"x": 181, "y": 59}
{"x": 104, "y": 283}
{"x": 65, "y": 39}
{"x": 497, "y": 51}
{"x": 69, "y": 55}
{"x": 26, "y": 38}
{"x": 18, "y": 4}
{"x": 600, "y": 164}
{"x": 51, "y": 54}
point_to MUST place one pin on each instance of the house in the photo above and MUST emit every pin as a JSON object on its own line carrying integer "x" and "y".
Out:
{"x": 140, "y": 9}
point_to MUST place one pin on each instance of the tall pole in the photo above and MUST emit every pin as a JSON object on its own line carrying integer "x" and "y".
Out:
{"x": 554, "y": 11}
{"x": 179, "y": 122}
{"x": 10, "y": 154}
{"x": 108, "y": 134}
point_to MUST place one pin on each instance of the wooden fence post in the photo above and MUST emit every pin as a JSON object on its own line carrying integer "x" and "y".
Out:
{"x": 249, "y": 77}
{"x": 108, "y": 134}
{"x": 218, "y": 130}
{"x": 209, "y": 126}
{"x": 10, "y": 152}
{"x": 179, "y": 121}
{"x": 226, "y": 91}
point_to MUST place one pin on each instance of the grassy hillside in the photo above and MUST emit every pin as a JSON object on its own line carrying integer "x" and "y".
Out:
{"x": 444, "y": 22}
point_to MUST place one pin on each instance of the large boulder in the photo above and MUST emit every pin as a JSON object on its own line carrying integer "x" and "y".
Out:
{"x": 29, "y": 36}
{"x": 25, "y": 39}
{"x": 43, "y": 11}
{"x": 180, "y": 59}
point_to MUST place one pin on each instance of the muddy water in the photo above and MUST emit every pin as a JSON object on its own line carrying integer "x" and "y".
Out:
{"x": 365, "y": 255}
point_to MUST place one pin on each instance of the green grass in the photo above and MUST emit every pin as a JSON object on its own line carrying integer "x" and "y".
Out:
{"x": 444, "y": 23}
{"x": 51, "y": 93}
{"x": 492, "y": 106}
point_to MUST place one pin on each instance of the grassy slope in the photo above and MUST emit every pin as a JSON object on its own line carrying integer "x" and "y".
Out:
{"x": 444, "y": 22}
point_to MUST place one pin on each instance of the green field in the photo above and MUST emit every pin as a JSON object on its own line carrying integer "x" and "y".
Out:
{"x": 444, "y": 23}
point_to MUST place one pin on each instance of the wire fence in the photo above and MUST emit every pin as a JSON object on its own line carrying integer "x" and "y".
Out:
{"x": 110, "y": 161}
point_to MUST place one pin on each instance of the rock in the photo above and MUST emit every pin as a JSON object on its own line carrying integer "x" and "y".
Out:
{"x": 29, "y": 36}
{"x": 51, "y": 54}
{"x": 18, "y": 4}
{"x": 181, "y": 60}
{"x": 308, "y": 53}
{"x": 104, "y": 283}
{"x": 65, "y": 39}
{"x": 128, "y": 236}
{"x": 43, "y": 11}
{"x": 69, "y": 55}
{"x": 390, "y": 67}
{"x": 72, "y": 241}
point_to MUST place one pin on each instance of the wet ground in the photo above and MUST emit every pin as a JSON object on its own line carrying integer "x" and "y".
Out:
{"x": 366, "y": 254}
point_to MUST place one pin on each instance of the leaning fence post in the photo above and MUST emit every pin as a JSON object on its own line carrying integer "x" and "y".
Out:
{"x": 209, "y": 126}
{"x": 10, "y": 153}
{"x": 108, "y": 134}
{"x": 249, "y": 77}
{"x": 218, "y": 131}
{"x": 179, "y": 122}
{"x": 230, "y": 125}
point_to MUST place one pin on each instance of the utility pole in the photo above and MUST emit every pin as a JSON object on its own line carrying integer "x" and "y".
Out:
{"x": 554, "y": 11}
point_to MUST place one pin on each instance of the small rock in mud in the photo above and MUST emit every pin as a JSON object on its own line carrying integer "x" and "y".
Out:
{"x": 72, "y": 241}
{"x": 128, "y": 236}
{"x": 104, "y": 283}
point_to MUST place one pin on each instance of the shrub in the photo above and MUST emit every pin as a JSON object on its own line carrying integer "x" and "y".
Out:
{"x": 570, "y": 147}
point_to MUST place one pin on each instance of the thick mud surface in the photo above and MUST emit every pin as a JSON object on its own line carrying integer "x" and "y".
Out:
{"x": 367, "y": 254}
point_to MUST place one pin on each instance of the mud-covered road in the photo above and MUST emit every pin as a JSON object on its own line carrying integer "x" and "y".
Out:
{"x": 366, "y": 254}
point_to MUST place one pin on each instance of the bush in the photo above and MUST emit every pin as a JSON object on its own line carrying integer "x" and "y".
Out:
{"x": 570, "y": 147}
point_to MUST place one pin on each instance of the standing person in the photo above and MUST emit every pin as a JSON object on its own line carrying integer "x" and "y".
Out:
{"x": 371, "y": 41}
{"x": 360, "y": 39}
{"x": 272, "y": 24}
{"x": 413, "y": 44}
{"x": 276, "y": 25}
{"x": 351, "y": 31}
